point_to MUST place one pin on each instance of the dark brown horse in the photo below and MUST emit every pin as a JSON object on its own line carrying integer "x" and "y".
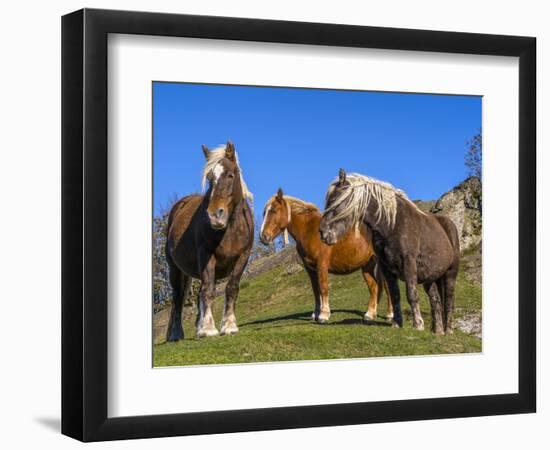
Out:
{"x": 353, "y": 252}
{"x": 210, "y": 237}
{"x": 414, "y": 246}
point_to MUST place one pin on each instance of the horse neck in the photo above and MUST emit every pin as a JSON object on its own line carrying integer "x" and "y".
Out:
{"x": 404, "y": 207}
{"x": 382, "y": 226}
{"x": 298, "y": 225}
{"x": 238, "y": 211}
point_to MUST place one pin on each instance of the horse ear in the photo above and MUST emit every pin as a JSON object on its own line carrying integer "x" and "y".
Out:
{"x": 205, "y": 151}
{"x": 230, "y": 151}
{"x": 280, "y": 194}
{"x": 342, "y": 176}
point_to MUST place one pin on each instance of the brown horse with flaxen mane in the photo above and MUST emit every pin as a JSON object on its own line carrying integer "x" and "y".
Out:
{"x": 353, "y": 252}
{"x": 210, "y": 237}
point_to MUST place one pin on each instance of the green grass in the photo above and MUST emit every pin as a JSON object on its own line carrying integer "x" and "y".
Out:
{"x": 274, "y": 318}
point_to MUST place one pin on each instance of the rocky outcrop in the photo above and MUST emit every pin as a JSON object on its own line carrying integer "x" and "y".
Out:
{"x": 287, "y": 257}
{"x": 463, "y": 205}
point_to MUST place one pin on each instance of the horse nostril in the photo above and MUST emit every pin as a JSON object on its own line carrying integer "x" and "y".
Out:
{"x": 219, "y": 213}
{"x": 325, "y": 235}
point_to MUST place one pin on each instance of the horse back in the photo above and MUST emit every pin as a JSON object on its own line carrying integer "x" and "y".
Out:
{"x": 180, "y": 245}
{"x": 181, "y": 215}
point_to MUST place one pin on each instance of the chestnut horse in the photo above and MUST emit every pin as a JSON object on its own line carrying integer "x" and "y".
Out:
{"x": 412, "y": 245}
{"x": 210, "y": 237}
{"x": 354, "y": 251}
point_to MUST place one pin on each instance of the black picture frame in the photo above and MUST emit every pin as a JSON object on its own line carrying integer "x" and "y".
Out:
{"x": 84, "y": 224}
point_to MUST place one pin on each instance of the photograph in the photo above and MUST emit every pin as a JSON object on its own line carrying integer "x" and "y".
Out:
{"x": 302, "y": 224}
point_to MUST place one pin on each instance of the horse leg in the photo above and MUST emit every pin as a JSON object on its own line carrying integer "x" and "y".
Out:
{"x": 315, "y": 288}
{"x": 229, "y": 320}
{"x": 449, "y": 280}
{"x": 322, "y": 277}
{"x": 179, "y": 282}
{"x": 205, "y": 321}
{"x": 375, "y": 292}
{"x": 435, "y": 302}
{"x": 395, "y": 298}
{"x": 412, "y": 292}
{"x": 382, "y": 280}
{"x": 383, "y": 285}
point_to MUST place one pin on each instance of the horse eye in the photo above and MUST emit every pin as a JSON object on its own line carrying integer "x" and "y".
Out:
{"x": 231, "y": 175}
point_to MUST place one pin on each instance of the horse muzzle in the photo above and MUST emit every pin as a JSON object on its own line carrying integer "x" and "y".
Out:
{"x": 218, "y": 219}
{"x": 328, "y": 236}
{"x": 264, "y": 239}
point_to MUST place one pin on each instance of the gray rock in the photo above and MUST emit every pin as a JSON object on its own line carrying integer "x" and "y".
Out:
{"x": 463, "y": 205}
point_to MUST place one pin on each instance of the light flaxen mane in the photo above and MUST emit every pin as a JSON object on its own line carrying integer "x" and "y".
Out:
{"x": 214, "y": 158}
{"x": 360, "y": 191}
{"x": 294, "y": 205}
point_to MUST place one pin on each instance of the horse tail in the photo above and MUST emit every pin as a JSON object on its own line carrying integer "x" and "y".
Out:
{"x": 441, "y": 290}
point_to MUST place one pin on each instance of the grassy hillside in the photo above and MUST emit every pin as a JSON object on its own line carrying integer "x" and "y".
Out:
{"x": 274, "y": 317}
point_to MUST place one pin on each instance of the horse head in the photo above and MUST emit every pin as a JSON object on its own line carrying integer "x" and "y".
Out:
{"x": 276, "y": 218}
{"x": 225, "y": 184}
{"x": 337, "y": 218}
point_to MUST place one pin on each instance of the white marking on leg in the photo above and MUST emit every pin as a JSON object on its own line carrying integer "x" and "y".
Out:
{"x": 206, "y": 327}
{"x": 229, "y": 325}
{"x": 229, "y": 321}
{"x": 324, "y": 315}
{"x": 369, "y": 316}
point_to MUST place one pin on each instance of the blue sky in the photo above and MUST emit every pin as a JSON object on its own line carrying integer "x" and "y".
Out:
{"x": 297, "y": 139}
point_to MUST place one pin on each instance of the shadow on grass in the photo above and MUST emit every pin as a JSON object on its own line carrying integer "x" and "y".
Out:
{"x": 306, "y": 317}
{"x": 360, "y": 321}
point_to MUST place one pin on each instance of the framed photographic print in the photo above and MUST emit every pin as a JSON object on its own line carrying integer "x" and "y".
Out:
{"x": 273, "y": 224}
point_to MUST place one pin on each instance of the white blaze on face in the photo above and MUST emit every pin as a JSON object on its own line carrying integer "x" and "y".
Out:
{"x": 265, "y": 219}
{"x": 217, "y": 172}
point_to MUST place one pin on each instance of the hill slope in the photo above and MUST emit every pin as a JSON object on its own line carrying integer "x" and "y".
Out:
{"x": 274, "y": 310}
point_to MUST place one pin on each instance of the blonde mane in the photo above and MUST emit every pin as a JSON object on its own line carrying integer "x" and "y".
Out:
{"x": 360, "y": 192}
{"x": 294, "y": 205}
{"x": 214, "y": 158}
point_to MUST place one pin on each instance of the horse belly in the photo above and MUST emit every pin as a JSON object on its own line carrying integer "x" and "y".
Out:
{"x": 349, "y": 255}
{"x": 184, "y": 256}
{"x": 224, "y": 270}
{"x": 434, "y": 260}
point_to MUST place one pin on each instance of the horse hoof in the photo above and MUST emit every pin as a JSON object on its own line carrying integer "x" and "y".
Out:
{"x": 389, "y": 317}
{"x": 322, "y": 320}
{"x": 207, "y": 332}
{"x": 229, "y": 329}
{"x": 174, "y": 335}
{"x": 419, "y": 327}
{"x": 396, "y": 324}
{"x": 449, "y": 331}
{"x": 313, "y": 316}
{"x": 368, "y": 317}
